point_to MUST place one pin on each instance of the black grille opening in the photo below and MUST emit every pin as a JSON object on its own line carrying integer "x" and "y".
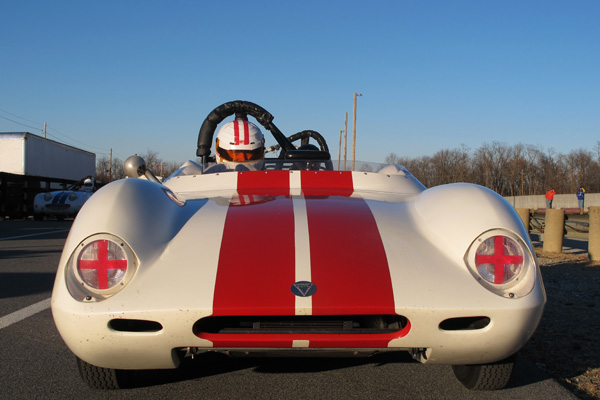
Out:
{"x": 464, "y": 323}
{"x": 134, "y": 325}
{"x": 351, "y": 324}
{"x": 58, "y": 207}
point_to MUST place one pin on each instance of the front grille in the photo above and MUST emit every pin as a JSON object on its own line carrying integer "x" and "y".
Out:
{"x": 58, "y": 207}
{"x": 326, "y": 324}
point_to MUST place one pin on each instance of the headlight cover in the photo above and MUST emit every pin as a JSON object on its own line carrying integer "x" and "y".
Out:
{"x": 100, "y": 267}
{"x": 502, "y": 263}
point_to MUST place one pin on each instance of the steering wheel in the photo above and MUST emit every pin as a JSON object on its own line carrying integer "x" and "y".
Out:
{"x": 304, "y": 138}
{"x": 241, "y": 109}
{"x": 307, "y": 156}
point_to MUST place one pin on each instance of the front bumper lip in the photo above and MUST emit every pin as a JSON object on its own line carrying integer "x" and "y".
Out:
{"x": 91, "y": 338}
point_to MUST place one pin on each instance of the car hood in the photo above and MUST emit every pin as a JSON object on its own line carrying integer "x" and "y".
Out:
{"x": 268, "y": 248}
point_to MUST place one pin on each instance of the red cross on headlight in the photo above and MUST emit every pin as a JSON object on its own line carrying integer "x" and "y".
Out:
{"x": 102, "y": 264}
{"x": 499, "y": 259}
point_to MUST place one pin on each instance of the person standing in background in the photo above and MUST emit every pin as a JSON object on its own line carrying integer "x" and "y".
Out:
{"x": 549, "y": 197}
{"x": 580, "y": 197}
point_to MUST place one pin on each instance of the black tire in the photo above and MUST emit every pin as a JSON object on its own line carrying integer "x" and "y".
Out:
{"x": 103, "y": 378}
{"x": 492, "y": 376}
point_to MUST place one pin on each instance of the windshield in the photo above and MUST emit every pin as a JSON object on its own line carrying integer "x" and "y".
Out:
{"x": 276, "y": 164}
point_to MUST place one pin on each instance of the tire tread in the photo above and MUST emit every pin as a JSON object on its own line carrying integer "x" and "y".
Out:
{"x": 492, "y": 376}
{"x": 101, "y": 378}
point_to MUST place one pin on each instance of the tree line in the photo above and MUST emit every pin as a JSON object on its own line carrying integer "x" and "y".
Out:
{"x": 107, "y": 172}
{"x": 509, "y": 170}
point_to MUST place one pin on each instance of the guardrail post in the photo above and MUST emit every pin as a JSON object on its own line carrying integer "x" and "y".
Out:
{"x": 594, "y": 236}
{"x": 553, "y": 232}
{"x": 524, "y": 214}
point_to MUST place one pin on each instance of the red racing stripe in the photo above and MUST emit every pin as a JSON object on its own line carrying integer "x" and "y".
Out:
{"x": 327, "y": 183}
{"x": 348, "y": 260}
{"x": 257, "y": 259}
{"x": 316, "y": 340}
{"x": 273, "y": 183}
{"x": 256, "y": 262}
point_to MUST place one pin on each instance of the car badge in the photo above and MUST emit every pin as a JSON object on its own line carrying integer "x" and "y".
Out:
{"x": 304, "y": 288}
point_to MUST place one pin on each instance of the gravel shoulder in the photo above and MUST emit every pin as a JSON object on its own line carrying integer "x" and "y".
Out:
{"x": 565, "y": 343}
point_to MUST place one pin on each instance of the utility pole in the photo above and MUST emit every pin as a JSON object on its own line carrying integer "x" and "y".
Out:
{"x": 345, "y": 139}
{"x": 340, "y": 151}
{"x": 354, "y": 132}
{"x": 44, "y": 130}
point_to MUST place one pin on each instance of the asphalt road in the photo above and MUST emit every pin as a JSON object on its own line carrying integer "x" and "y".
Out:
{"x": 35, "y": 363}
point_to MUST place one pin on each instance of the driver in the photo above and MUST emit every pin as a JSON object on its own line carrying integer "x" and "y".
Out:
{"x": 88, "y": 185}
{"x": 240, "y": 144}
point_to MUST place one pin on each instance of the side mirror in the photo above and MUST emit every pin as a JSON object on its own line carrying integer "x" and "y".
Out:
{"x": 135, "y": 166}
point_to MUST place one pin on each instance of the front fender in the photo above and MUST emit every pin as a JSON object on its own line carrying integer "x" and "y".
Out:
{"x": 457, "y": 213}
{"x": 136, "y": 210}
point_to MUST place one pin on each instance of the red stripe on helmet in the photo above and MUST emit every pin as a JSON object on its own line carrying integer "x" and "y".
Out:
{"x": 246, "y": 133}
{"x": 236, "y": 133}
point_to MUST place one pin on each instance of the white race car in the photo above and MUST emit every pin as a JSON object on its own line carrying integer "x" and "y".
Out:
{"x": 63, "y": 203}
{"x": 293, "y": 259}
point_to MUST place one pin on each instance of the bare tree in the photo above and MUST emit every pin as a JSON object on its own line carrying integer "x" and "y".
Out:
{"x": 579, "y": 164}
{"x": 157, "y": 165}
{"x": 105, "y": 173}
{"x": 516, "y": 170}
{"x": 421, "y": 169}
{"x": 509, "y": 170}
{"x": 491, "y": 163}
{"x": 391, "y": 158}
{"x": 450, "y": 166}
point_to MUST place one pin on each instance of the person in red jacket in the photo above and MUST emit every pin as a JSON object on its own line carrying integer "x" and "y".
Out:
{"x": 549, "y": 197}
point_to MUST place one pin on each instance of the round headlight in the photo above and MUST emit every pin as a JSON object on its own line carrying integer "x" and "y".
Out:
{"x": 47, "y": 196}
{"x": 100, "y": 267}
{"x": 102, "y": 264}
{"x": 502, "y": 262}
{"x": 499, "y": 259}
{"x": 72, "y": 196}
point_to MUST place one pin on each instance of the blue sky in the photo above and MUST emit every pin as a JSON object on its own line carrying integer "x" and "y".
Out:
{"x": 142, "y": 75}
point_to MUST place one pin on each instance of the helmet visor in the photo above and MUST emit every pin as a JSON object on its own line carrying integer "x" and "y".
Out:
{"x": 242, "y": 155}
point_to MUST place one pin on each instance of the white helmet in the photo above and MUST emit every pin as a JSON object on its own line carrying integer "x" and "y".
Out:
{"x": 88, "y": 185}
{"x": 240, "y": 142}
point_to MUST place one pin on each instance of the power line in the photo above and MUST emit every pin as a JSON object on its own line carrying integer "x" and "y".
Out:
{"x": 54, "y": 129}
{"x": 75, "y": 140}
{"x": 19, "y": 123}
{"x": 14, "y": 115}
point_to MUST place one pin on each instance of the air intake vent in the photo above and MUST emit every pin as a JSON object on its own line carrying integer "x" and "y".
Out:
{"x": 134, "y": 325}
{"x": 340, "y": 324}
{"x": 464, "y": 323}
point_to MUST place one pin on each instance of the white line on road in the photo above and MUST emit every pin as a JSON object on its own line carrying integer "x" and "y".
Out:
{"x": 23, "y": 313}
{"x": 34, "y": 234}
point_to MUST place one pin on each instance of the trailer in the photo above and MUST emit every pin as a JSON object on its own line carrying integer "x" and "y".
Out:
{"x": 31, "y": 164}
